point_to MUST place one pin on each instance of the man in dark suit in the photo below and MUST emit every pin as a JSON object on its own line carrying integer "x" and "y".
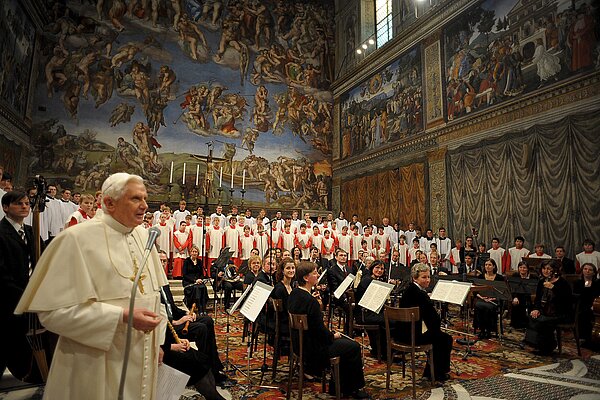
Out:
{"x": 16, "y": 263}
{"x": 416, "y": 296}
{"x": 337, "y": 272}
{"x": 567, "y": 265}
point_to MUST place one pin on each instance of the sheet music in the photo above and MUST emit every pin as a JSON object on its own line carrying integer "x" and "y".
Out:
{"x": 343, "y": 286}
{"x": 256, "y": 300}
{"x": 376, "y": 295}
{"x": 451, "y": 291}
{"x": 322, "y": 275}
{"x": 239, "y": 301}
{"x": 171, "y": 383}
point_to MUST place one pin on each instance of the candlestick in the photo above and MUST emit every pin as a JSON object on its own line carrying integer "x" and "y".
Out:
{"x": 183, "y": 180}
{"x": 220, "y": 189}
{"x": 221, "y": 178}
{"x": 197, "y": 173}
{"x": 244, "y": 179}
{"x": 243, "y": 191}
{"x": 230, "y": 197}
{"x": 170, "y": 185}
{"x": 171, "y": 175}
{"x": 232, "y": 173}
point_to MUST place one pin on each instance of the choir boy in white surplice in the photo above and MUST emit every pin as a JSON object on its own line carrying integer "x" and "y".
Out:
{"x": 232, "y": 240}
{"x": 328, "y": 245}
{"x": 356, "y": 239}
{"x": 215, "y": 241}
{"x": 516, "y": 255}
{"x": 86, "y": 300}
{"x": 287, "y": 238}
{"x": 303, "y": 241}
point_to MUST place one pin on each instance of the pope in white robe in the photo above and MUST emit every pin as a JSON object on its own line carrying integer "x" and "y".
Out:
{"x": 81, "y": 288}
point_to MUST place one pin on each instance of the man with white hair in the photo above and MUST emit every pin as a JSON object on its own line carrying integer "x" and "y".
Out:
{"x": 81, "y": 289}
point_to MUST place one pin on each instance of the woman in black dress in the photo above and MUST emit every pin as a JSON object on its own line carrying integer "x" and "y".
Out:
{"x": 521, "y": 301}
{"x": 587, "y": 288}
{"x": 486, "y": 307}
{"x": 194, "y": 289}
{"x": 364, "y": 316}
{"x": 553, "y": 305}
{"x": 254, "y": 263}
{"x": 284, "y": 276}
{"x": 319, "y": 343}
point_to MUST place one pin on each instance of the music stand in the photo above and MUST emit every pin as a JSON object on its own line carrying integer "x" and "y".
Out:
{"x": 501, "y": 291}
{"x": 219, "y": 263}
{"x": 534, "y": 263}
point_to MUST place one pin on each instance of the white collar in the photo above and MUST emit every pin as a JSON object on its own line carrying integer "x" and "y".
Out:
{"x": 15, "y": 224}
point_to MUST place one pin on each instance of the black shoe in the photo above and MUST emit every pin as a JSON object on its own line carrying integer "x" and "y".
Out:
{"x": 360, "y": 394}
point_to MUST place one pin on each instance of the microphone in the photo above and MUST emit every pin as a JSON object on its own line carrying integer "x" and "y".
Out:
{"x": 153, "y": 234}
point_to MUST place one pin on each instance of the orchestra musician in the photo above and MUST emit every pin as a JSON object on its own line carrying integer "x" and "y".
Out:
{"x": 194, "y": 289}
{"x": 521, "y": 301}
{"x": 415, "y": 295}
{"x": 179, "y": 354}
{"x": 552, "y": 306}
{"x": 365, "y": 316}
{"x": 319, "y": 343}
{"x": 486, "y": 307}
{"x": 229, "y": 278}
{"x": 588, "y": 288}
{"x": 254, "y": 263}
{"x": 198, "y": 329}
{"x": 285, "y": 276}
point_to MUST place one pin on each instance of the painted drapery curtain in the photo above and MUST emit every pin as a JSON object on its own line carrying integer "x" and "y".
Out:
{"x": 398, "y": 194}
{"x": 536, "y": 183}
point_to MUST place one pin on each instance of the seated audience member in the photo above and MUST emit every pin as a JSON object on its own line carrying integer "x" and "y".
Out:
{"x": 415, "y": 295}
{"x": 553, "y": 305}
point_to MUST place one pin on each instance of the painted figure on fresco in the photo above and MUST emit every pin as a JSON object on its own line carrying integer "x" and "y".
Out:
{"x": 491, "y": 58}
{"x": 136, "y": 58}
{"x": 385, "y": 108}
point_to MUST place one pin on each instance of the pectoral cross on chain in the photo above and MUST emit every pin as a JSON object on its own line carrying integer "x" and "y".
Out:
{"x": 142, "y": 277}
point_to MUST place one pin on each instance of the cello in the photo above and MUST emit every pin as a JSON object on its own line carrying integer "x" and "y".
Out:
{"x": 596, "y": 328}
{"x": 37, "y": 347}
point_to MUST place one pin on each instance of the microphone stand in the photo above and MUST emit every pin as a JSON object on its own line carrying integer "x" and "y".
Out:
{"x": 151, "y": 240}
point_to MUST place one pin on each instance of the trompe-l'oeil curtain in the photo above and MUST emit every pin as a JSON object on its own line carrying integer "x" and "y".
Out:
{"x": 542, "y": 183}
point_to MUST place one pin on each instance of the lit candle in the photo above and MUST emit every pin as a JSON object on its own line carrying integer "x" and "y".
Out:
{"x": 221, "y": 178}
{"x": 183, "y": 180}
{"x": 232, "y": 174}
{"x": 197, "y": 173}
{"x": 244, "y": 180}
{"x": 171, "y": 176}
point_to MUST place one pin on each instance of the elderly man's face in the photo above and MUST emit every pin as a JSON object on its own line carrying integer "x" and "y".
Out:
{"x": 130, "y": 209}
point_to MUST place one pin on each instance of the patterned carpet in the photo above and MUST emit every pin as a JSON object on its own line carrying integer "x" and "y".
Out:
{"x": 496, "y": 370}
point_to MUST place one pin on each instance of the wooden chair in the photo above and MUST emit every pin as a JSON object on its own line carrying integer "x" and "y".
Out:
{"x": 299, "y": 322}
{"x": 278, "y": 308}
{"x": 570, "y": 326}
{"x": 362, "y": 326}
{"x": 394, "y": 314}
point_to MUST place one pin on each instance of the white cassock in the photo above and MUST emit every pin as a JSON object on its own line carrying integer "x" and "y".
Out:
{"x": 79, "y": 289}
